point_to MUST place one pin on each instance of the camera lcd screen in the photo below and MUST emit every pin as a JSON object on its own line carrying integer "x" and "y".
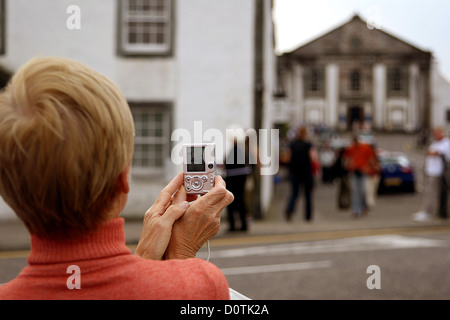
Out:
{"x": 195, "y": 159}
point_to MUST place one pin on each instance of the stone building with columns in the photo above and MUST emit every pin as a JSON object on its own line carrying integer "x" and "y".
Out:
{"x": 355, "y": 74}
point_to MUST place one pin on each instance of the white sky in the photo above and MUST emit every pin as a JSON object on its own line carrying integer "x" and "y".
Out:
{"x": 424, "y": 24}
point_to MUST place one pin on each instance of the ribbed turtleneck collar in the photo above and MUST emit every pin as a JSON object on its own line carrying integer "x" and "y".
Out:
{"x": 107, "y": 241}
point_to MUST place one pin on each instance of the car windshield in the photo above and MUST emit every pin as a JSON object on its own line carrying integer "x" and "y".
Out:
{"x": 400, "y": 160}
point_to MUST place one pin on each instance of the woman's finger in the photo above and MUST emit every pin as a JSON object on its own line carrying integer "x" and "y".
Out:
{"x": 165, "y": 195}
{"x": 180, "y": 195}
{"x": 174, "y": 212}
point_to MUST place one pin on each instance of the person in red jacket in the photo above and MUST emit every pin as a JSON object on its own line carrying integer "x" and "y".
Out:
{"x": 358, "y": 159}
{"x": 66, "y": 145}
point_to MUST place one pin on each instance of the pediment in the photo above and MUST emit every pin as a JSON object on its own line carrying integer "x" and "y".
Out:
{"x": 355, "y": 37}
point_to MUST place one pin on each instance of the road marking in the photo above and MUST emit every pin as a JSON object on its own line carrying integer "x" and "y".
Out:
{"x": 283, "y": 238}
{"x": 14, "y": 254}
{"x": 276, "y": 268}
{"x": 384, "y": 242}
{"x": 324, "y": 235}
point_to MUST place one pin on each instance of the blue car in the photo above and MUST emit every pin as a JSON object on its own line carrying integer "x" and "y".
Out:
{"x": 397, "y": 173}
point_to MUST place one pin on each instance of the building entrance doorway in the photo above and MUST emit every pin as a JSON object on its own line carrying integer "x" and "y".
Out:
{"x": 355, "y": 116}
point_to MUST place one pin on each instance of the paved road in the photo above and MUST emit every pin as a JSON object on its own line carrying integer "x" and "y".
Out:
{"x": 411, "y": 266}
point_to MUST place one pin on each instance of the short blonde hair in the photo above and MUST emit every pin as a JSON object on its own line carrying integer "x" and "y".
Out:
{"x": 66, "y": 134}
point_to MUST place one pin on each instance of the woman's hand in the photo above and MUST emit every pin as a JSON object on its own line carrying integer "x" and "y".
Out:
{"x": 175, "y": 229}
{"x": 159, "y": 219}
{"x": 200, "y": 222}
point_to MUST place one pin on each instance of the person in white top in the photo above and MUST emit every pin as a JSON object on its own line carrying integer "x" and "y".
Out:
{"x": 437, "y": 153}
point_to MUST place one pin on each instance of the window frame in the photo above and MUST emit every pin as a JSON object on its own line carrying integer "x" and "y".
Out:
{"x": 398, "y": 81}
{"x": 125, "y": 48}
{"x": 355, "y": 81}
{"x": 314, "y": 81}
{"x": 164, "y": 141}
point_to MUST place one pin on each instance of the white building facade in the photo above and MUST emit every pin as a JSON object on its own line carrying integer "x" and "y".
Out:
{"x": 356, "y": 74}
{"x": 440, "y": 98}
{"x": 177, "y": 62}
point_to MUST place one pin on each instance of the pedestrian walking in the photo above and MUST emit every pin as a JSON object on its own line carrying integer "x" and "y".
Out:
{"x": 340, "y": 175}
{"x": 373, "y": 179}
{"x": 436, "y": 158}
{"x": 237, "y": 169}
{"x": 358, "y": 157}
{"x": 327, "y": 158}
{"x": 300, "y": 173}
{"x": 445, "y": 186}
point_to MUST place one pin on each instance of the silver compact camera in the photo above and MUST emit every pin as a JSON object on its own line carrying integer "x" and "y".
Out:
{"x": 199, "y": 167}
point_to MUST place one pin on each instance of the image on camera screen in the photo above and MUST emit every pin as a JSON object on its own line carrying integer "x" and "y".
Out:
{"x": 195, "y": 159}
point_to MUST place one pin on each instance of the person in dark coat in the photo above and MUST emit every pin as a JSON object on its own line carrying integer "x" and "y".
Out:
{"x": 300, "y": 173}
{"x": 237, "y": 170}
{"x": 340, "y": 174}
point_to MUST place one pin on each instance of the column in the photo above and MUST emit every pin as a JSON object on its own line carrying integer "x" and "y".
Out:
{"x": 298, "y": 101}
{"x": 332, "y": 95}
{"x": 379, "y": 95}
{"x": 413, "y": 90}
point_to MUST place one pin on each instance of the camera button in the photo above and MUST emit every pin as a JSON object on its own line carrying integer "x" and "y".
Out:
{"x": 205, "y": 178}
{"x": 197, "y": 184}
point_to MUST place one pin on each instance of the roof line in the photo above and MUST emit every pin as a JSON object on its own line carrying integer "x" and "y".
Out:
{"x": 357, "y": 17}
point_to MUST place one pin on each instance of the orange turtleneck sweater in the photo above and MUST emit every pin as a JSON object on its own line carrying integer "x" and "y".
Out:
{"x": 108, "y": 270}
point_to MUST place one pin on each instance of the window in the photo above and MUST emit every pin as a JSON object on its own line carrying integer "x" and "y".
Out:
{"x": 314, "y": 78}
{"x": 314, "y": 81}
{"x": 145, "y": 27}
{"x": 355, "y": 81}
{"x": 152, "y": 140}
{"x": 398, "y": 81}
